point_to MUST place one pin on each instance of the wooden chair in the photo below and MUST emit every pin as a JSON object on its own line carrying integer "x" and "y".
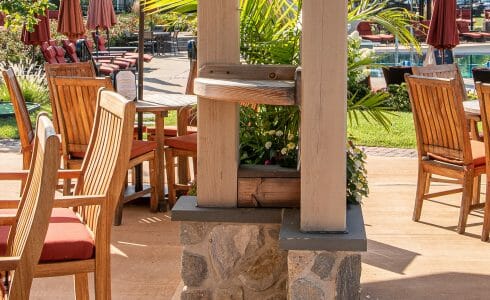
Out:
{"x": 28, "y": 226}
{"x": 443, "y": 143}
{"x": 75, "y": 102}
{"x": 79, "y": 232}
{"x": 451, "y": 71}
{"x": 26, "y": 132}
{"x": 180, "y": 146}
{"x": 483, "y": 90}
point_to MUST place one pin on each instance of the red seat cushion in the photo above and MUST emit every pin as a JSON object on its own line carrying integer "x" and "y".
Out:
{"x": 50, "y": 55}
{"x": 138, "y": 148}
{"x": 142, "y": 147}
{"x": 171, "y": 131}
{"x": 184, "y": 142}
{"x": 67, "y": 238}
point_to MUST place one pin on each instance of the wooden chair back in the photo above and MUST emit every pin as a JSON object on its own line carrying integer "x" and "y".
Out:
{"x": 26, "y": 132}
{"x": 442, "y": 71}
{"x": 75, "y": 102}
{"x": 81, "y": 69}
{"x": 439, "y": 118}
{"x": 483, "y": 91}
{"x": 27, "y": 235}
{"x": 105, "y": 165}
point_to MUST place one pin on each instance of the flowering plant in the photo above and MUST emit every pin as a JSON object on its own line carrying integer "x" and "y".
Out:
{"x": 357, "y": 185}
{"x": 282, "y": 148}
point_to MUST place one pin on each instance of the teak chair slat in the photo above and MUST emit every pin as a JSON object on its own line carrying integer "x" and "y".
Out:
{"x": 443, "y": 143}
{"x": 28, "y": 228}
{"x": 75, "y": 102}
{"x": 483, "y": 90}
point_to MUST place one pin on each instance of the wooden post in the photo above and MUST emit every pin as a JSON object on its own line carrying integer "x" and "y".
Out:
{"x": 323, "y": 116}
{"x": 218, "y": 42}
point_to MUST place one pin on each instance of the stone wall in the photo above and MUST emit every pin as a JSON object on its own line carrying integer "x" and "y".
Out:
{"x": 232, "y": 261}
{"x": 324, "y": 275}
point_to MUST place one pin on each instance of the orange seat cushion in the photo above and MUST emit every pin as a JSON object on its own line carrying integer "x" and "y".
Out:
{"x": 138, "y": 148}
{"x": 184, "y": 142}
{"x": 67, "y": 238}
{"x": 478, "y": 152}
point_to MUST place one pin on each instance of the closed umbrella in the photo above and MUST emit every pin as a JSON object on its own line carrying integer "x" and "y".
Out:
{"x": 443, "y": 33}
{"x": 101, "y": 14}
{"x": 40, "y": 33}
{"x": 70, "y": 21}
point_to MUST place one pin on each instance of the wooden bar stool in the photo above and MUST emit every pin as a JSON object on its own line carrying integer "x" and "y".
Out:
{"x": 179, "y": 146}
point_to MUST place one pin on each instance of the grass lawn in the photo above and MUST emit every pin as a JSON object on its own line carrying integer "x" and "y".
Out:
{"x": 400, "y": 135}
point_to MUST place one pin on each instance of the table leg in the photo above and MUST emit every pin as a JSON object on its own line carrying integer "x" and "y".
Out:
{"x": 159, "y": 159}
{"x": 182, "y": 121}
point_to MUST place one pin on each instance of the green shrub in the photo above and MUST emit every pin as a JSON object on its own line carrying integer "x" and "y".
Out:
{"x": 398, "y": 98}
{"x": 32, "y": 81}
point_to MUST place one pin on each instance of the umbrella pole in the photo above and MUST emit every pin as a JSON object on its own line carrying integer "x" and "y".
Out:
{"x": 108, "y": 41}
{"x": 141, "y": 49}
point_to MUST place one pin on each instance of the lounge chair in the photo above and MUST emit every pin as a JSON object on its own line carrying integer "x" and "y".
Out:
{"x": 467, "y": 34}
{"x": 365, "y": 31}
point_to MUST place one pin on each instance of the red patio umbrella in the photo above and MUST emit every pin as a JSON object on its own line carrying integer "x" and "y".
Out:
{"x": 70, "y": 21}
{"x": 40, "y": 33}
{"x": 100, "y": 14}
{"x": 443, "y": 33}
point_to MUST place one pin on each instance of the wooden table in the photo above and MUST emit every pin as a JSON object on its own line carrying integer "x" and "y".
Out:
{"x": 160, "y": 104}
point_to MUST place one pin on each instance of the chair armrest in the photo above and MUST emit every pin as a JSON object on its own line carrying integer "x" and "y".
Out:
{"x": 22, "y": 174}
{"x": 9, "y": 203}
{"x": 14, "y": 175}
{"x": 80, "y": 200}
{"x": 8, "y": 263}
{"x": 69, "y": 174}
{"x": 7, "y": 219}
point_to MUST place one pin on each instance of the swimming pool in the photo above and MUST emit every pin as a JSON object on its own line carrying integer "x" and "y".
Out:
{"x": 466, "y": 62}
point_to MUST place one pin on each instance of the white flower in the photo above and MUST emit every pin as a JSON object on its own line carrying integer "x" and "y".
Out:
{"x": 366, "y": 53}
{"x": 366, "y": 72}
{"x": 290, "y": 137}
{"x": 291, "y": 146}
{"x": 279, "y": 133}
{"x": 268, "y": 145}
{"x": 284, "y": 151}
{"x": 271, "y": 132}
{"x": 354, "y": 35}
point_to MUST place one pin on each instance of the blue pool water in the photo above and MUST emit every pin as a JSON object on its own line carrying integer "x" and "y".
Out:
{"x": 466, "y": 62}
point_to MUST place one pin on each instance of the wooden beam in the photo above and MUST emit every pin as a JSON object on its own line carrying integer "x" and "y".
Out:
{"x": 217, "y": 153}
{"x": 272, "y": 92}
{"x": 323, "y": 116}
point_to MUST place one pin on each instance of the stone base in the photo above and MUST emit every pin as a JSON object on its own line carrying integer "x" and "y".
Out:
{"x": 324, "y": 275}
{"x": 244, "y": 253}
{"x": 232, "y": 261}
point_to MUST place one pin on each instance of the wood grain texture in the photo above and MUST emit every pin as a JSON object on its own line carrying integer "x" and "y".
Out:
{"x": 273, "y": 92}
{"x": 248, "y": 72}
{"x": 269, "y": 192}
{"x": 218, "y": 43}
{"x": 323, "y": 116}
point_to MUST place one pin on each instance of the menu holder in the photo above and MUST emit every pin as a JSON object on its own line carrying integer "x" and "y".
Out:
{"x": 125, "y": 83}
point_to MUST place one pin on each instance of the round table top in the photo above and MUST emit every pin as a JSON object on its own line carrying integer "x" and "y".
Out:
{"x": 472, "y": 107}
